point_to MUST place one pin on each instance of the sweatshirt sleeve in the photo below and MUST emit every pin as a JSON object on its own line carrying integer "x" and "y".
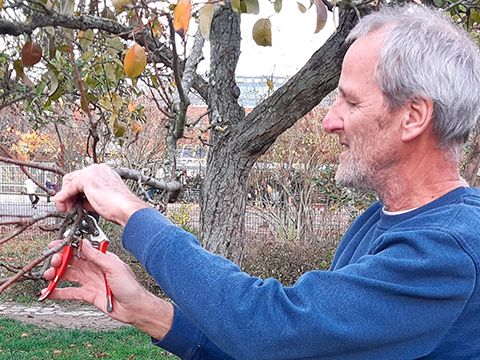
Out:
{"x": 380, "y": 307}
{"x": 187, "y": 341}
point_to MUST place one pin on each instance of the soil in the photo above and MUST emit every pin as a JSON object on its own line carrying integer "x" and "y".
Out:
{"x": 71, "y": 315}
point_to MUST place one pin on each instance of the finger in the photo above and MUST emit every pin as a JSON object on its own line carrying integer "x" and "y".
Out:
{"x": 67, "y": 196}
{"x": 95, "y": 256}
{"x": 70, "y": 293}
{"x": 49, "y": 274}
{"x": 56, "y": 260}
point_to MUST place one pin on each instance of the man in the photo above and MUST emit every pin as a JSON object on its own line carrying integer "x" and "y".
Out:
{"x": 404, "y": 281}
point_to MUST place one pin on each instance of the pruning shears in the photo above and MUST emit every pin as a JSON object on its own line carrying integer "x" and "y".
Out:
{"x": 99, "y": 240}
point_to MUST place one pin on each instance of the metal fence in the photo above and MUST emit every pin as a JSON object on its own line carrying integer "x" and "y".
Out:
{"x": 264, "y": 217}
{"x": 14, "y": 203}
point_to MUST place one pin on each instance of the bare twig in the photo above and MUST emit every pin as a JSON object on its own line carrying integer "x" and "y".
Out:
{"x": 35, "y": 262}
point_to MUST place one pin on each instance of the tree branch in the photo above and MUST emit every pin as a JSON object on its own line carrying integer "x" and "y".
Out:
{"x": 160, "y": 52}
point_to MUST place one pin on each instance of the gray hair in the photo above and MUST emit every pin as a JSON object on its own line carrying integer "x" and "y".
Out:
{"x": 425, "y": 55}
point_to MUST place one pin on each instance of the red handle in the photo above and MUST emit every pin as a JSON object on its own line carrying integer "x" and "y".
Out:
{"x": 103, "y": 248}
{"x": 67, "y": 252}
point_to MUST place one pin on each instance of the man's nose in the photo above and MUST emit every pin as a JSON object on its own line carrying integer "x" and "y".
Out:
{"x": 332, "y": 123}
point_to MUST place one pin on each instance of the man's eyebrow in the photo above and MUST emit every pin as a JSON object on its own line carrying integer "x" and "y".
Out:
{"x": 349, "y": 95}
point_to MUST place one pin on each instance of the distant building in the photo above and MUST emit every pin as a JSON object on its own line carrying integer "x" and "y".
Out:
{"x": 253, "y": 90}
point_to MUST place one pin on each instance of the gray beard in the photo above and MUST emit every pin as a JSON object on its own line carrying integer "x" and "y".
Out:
{"x": 355, "y": 175}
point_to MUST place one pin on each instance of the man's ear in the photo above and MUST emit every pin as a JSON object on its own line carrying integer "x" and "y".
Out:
{"x": 417, "y": 117}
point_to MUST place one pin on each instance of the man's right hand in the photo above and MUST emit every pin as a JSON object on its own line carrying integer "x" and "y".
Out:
{"x": 132, "y": 303}
{"x": 104, "y": 191}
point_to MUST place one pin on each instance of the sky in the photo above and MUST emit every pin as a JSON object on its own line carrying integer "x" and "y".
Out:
{"x": 293, "y": 41}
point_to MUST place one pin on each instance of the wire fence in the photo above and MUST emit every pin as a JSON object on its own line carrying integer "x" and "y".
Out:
{"x": 271, "y": 213}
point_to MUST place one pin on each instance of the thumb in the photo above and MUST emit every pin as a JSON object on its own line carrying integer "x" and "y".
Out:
{"x": 93, "y": 255}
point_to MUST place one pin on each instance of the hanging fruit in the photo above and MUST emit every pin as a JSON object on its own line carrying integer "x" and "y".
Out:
{"x": 31, "y": 53}
{"x": 135, "y": 61}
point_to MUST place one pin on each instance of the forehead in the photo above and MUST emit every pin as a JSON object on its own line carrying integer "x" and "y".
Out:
{"x": 360, "y": 62}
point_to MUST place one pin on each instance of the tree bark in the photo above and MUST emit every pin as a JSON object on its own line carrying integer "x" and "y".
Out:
{"x": 238, "y": 140}
{"x": 473, "y": 161}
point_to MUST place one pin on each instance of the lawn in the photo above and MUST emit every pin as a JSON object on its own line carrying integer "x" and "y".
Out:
{"x": 29, "y": 342}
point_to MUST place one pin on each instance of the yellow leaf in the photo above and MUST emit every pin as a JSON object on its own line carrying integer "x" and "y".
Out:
{"x": 236, "y": 6}
{"x": 135, "y": 61}
{"x": 119, "y": 128}
{"x": 206, "y": 16}
{"x": 156, "y": 29}
{"x": 117, "y": 101}
{"x": 262, "y": 32}
{"x": 1, "y": 4}
{"x": 270, "y": 84}
{"x": 18, "y": 66}
{"x": 321, "y": 15}
{"x": 252, "y": 6}
{"x": 277, "y": 5}
{"x": 181, "y": 17}
{"x": 119, "y": 5}
{"x": 302, "y": 8}
{"x": 87, "y": 38}
{"x": 80, "y": 34}
{"x": 24, "y": 335}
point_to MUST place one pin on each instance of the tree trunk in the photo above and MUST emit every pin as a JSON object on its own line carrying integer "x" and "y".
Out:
{"x": 238, "y": 140}
{"x": 473, "y": 161}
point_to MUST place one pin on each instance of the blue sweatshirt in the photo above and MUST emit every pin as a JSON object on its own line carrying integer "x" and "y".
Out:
{"x": 400, "y": 287}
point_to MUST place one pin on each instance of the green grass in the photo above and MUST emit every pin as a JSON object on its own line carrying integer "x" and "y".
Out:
{"x": 29, "y": 342}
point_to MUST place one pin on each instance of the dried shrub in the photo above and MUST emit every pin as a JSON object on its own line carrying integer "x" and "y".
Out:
{"x": 287, "y": 260}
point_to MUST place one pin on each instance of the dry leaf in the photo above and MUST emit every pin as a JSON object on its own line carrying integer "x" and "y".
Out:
{"x": 321, "y": 15}
{"x": 137, "y": 129}
{"x": 206, "y": 16}
{"x": 181, "y": 17}
{"x": 132, "y": 107}
{"x": 119, "y": 5}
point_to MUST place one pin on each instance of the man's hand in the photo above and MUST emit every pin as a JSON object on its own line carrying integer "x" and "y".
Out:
{"x": 133, "y": 304}
{"x": 104, "y": 191}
